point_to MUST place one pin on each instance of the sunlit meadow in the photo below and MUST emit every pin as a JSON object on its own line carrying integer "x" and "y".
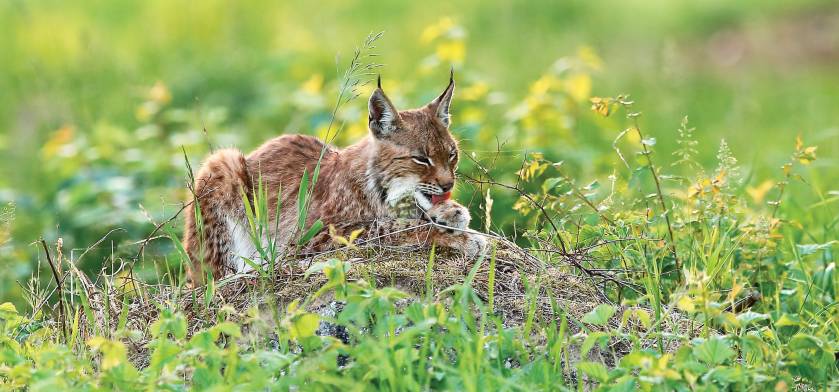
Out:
{"x": 690, "y": 146}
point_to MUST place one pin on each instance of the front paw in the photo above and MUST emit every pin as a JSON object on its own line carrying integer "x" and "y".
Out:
{"x": 450, "y": 214}
{"x": 475, "y": 245}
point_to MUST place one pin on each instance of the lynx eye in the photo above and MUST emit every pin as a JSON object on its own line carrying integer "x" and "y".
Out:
{"x": 420, "y": 160}
{"x": 452, "y": 156}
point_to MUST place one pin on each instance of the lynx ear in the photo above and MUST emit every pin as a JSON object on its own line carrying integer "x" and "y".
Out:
{"x": 383, "y": 116}
{"x": 440, "y": 106}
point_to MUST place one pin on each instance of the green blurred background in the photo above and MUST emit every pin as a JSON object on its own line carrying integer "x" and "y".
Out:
{"x": 98, "y": 98}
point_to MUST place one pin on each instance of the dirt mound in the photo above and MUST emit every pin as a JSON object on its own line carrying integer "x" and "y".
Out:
{"x": 557, "y": 285}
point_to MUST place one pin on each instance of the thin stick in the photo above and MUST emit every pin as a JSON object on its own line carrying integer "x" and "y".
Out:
{"x": 660, "y": 195}
{"x": 60, "y": 286}
{"x": 524, "y": 194}
{"x": 157, "y": 228}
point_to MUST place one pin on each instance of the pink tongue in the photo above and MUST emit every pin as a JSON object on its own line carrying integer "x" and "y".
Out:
{"x": 437, "y": 199}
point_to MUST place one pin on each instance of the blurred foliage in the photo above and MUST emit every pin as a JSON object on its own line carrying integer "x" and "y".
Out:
{"x": 99, "y": 97}
{"x": 729, "y": 139}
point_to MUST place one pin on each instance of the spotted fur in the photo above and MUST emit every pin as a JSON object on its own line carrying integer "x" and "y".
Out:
{"x": 408, "y": 153}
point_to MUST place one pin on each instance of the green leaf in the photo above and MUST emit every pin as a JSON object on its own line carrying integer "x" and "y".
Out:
{"x": 808, "y": 249}
{"x": 210, "y": 292}
{"x": 249, "y": 211}
{"x": 804, "y": 342}
{"x": 7, "y": 309}
{"x": 788, "y": 320}
{"x": 316, "y": 172}
{"x": 590, "y": 234}
{"x": 316, "y": 267}
{"x": 229, "y": 328}
{"x": 753, "y": 345}
{"x": 750, "y": 317}
{"x": 634, "y": 359}
{"x": 169, "y": 322}
{"x": 113, "y": 352}
{"x": 304, "y": 325}
{"x": 724, "y": 375}
{"x": 9, "y": 317}
{"x": 644, "y": 317}
{"x": 594, "y": 370}
{"x": 599, "y": 315}
{"x": 713, "y": 351}
{"x": 591, "y": 340}
{"x": 204, "y": 340}
{"x": 164, "y": 352}
{"x": 640, "y": 314}
{"x": 302, "y": 194}
{"x": 550, "y": 183}
{"x": 639, "y": 176}
{"x": 313, "y": 230}
{"x": 623, "y": 384}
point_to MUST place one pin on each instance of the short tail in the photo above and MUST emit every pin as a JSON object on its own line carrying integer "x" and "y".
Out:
{"x": 218, "y": 194}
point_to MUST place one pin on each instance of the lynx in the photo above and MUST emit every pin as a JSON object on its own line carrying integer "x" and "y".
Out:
{"x": 408, "y": 155}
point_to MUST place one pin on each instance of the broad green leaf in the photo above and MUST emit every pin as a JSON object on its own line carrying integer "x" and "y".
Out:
{"x": 599, "y": 315}
{"x": 640, "y": 176}
{"x": 7, "y": 308}
{"x": 590, "y": 234}
{"x": 592, "y": 339}
{"x": 753, "y": 345}
{"x": 229, "y": 328}
{"x": 713, "y": 351}
{"x": 304, "y": 325}
{"x": 724, "y": 375}
{"x": 751, "y": 317}
{"x": 644, "y": 317}
{"x": 594, "y": 370}
{"x": 316, "y": 267}
{"x": 169, "y": 322}
{"x": 804, "y": 342}
{"x": 113, "y": 352}
{"x": 635, "y": 359}
{"x": 788, "y": 320}
{"x": 550, "y": 183}
{"x": 624, "y": 384}
{"x": 204, "y": 340}
{"x": 164, "y": 352}
{"x": 640, "y": 314}
{"x": 686, "y": 304}
{"x": 808, "y": 249}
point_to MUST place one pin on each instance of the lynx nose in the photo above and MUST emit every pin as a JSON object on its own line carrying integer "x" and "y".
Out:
{"x": 447, "y": 186}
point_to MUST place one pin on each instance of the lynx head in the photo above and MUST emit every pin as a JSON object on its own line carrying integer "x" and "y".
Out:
{"x": 415, "y": 152}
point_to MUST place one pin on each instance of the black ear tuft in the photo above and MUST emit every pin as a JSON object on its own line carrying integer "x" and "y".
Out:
{"x": 383, "y": 116}
{"x": 441, "y": 104}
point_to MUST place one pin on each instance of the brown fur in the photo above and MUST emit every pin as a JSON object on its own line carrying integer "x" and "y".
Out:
{"x": 357, "y": 185}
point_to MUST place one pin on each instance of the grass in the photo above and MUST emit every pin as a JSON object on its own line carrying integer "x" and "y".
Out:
{"x": 729, "y": 312}
{"x": 683, "y": 238}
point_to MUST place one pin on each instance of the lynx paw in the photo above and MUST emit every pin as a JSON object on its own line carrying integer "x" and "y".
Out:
{"x": 474, "y": 246}
{"x": 450, "y": 214}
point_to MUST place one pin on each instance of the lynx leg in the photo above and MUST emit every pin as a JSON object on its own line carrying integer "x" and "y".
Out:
{"x": 454, "y": 216}
{"x": 471, "y": 245}
{"x": 449, "y": 220}
{"x": 214, "y": 243}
